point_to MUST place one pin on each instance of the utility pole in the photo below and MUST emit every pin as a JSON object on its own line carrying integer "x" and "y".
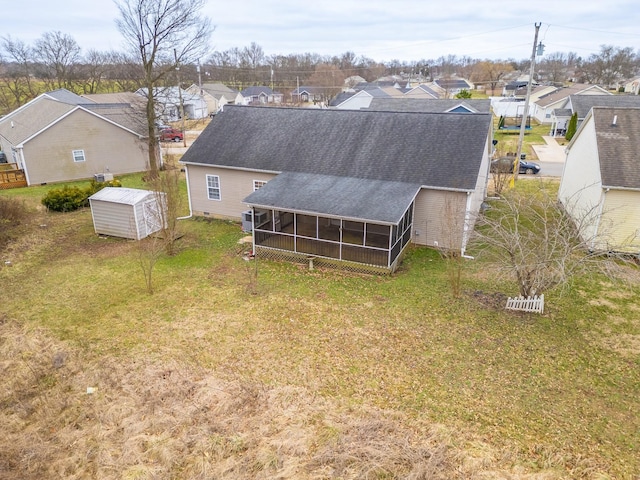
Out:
{"x": 184, "y": 135}
{"x": 525, "y": 113}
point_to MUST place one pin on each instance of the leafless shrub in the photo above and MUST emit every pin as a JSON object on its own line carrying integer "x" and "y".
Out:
{"x": 533, "y": 240}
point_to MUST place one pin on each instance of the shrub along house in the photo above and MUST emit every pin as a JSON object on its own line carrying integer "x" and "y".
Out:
{"x": 342, "y": 186}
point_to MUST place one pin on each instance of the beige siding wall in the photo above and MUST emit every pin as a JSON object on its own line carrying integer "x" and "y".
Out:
{"x": 439, "y": 217}
{"x": 620, "y": 224}
{"x": 48, "y": 156}
{"x": 235, "y": 185}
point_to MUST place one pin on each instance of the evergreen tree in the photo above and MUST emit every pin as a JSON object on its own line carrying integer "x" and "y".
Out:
{"x": 572, "y": 127}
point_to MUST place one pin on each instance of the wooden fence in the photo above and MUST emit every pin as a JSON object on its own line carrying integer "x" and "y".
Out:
{"x": 528, "y": 304}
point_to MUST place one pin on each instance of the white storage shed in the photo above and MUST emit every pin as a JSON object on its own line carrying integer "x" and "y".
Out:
{"x": 127, "y": 212}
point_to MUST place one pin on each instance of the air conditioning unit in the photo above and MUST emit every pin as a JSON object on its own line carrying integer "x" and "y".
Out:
{"x": 247, "y": 224}
{"x": 103, "y": 177}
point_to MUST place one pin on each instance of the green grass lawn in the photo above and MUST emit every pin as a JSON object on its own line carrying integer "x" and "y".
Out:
{"x": 556, "y": 394}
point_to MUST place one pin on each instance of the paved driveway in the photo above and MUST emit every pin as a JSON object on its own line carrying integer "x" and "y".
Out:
{"x": 551, "y": 157}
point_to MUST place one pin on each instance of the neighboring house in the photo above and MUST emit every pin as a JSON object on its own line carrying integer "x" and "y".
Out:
{"x": 354, "y": 186}
{"x": 600, "y": 186}
{"x": 170, "y": 101}
{"x": 632, "y": 86}
{"x": 542, "y": 108}
{"x": 422, "y": 91}
{"x": 216, "y": 95}
{"x": 582, "y": 105}
{"x": 261, "y": 96}
{"x": 430, "y": 105}
{"x": 359, "y": 100}
{"x": 308, "y": 94}
{"x": 60, "y": 136}
{"x": 450, "y": 87}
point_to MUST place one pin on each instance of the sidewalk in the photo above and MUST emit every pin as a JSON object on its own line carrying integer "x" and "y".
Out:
{"x": 551, "y": 151}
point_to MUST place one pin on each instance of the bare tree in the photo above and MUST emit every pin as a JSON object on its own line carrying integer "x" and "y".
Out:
{"x": 18, "y": 86}
{"x": 58, "y": 55}
{"x": 163, "y": 34}
{"x": 532, "y": 239}
{"x": 490, "y": 73}
{"x": 610, "y": 65}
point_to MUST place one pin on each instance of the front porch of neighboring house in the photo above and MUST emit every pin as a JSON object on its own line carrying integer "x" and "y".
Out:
{"x": 356, "y": 245}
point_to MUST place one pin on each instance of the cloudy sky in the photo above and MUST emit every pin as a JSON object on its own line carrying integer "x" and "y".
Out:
{"x": 382, "y": 30}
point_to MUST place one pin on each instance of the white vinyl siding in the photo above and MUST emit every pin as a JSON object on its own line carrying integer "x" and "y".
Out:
{"x": 213, "y": 187}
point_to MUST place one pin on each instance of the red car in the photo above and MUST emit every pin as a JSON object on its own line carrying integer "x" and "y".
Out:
{"x": 171, "y": 135}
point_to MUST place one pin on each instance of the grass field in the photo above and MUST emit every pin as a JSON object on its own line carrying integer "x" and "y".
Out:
{"x": 301, "y": 374}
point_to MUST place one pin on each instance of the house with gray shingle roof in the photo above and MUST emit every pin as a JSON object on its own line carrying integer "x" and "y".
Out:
{"x": 216, "y": 95}
{"x": 261, "y": 96}
{"x": 430, "y": 105}
{"x": 60, "y": 136}
{"x": 600, "y": 185}
{"x": 541, "y": 109}
{"x": 358, "y": 190}
{"x": 582, "y": 104}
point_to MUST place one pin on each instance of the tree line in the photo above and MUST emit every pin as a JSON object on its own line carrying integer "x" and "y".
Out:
{"x": 56, "y": 60}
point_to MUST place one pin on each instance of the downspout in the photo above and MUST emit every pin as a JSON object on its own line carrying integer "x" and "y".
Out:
{"x": 599, "y": 218}
{"x": 23, "y": 164}
{"x": 465, "y": 230}
{"x": 186, "y": 174}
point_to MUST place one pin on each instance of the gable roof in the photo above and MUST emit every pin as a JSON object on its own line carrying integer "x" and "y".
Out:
{"x": 65, "y": 96}
{"x": 255, "y": 91}
{"x": 344, "y": 197}
{"x": 564, "y": 93}
{"x": 583, "y": 103}
{"x": 618, "y": 146}
{"x": 424, "y": 88}
{"x": 431, "y": 149}
{"x": 43, "y": 111}
{"x": 218, "y": 90}
{"x": 429, "y": 105}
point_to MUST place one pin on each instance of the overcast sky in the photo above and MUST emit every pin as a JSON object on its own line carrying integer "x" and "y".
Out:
{"x": 382, "y": 30}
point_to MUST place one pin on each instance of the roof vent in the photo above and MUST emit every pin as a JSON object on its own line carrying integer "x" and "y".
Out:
{"x": 615, "y": 121}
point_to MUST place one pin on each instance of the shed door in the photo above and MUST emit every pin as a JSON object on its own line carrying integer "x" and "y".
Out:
{"x": 152, "y": 216}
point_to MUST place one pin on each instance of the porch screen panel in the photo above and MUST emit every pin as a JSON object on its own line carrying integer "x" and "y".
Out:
{"x": 353, "y": 232}
{"x": 306, "y": 225}
{"x": 377, "y": 235}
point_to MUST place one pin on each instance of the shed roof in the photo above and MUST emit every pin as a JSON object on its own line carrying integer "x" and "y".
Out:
{"x": 371, "y": 200}
{"x": 438, "y": 150}
{"x": 127, "y": 196}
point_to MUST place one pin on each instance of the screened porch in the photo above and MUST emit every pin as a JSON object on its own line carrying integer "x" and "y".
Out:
{"x": 363, "y": 242}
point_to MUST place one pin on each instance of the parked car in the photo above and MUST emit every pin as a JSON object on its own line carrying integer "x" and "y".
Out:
{"x": 505, "y": 165}
{"x": 171, "y": 135}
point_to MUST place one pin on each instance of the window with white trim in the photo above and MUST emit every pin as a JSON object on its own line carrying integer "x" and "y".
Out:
{"x": 258, "y": 184}
{"x": 78, "y": 155}
{"x": 213, "y": 187}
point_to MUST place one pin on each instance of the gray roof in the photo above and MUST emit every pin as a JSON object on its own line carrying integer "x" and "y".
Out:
{"x": 44, "y": 110}
{"x": 428, "y": 105}
{"x": 436, "y": 150}
{"x": 452, "y": 83}
{"x": 65, "y": 96}
{"x": 562, "y": 112}
{"x": 583, "y": 103}
{"x": 341, "y": 97}
{"x": 344, "y": 197}
{"x": 618, "y": 146}
{"x": 250, "y": 91}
